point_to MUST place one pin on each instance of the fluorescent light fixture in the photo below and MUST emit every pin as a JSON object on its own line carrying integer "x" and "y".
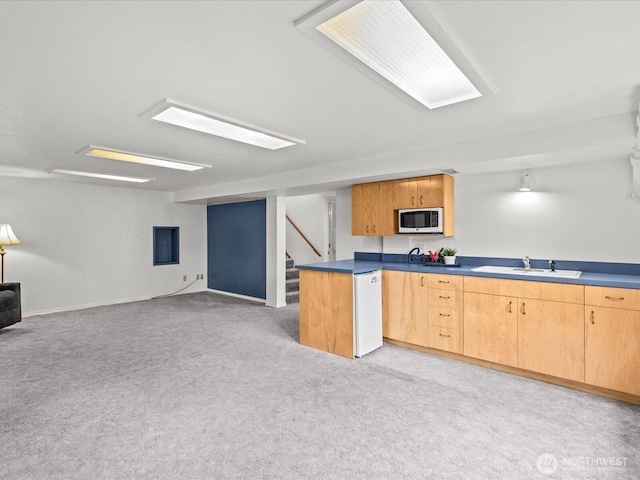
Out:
{"x": 188, "y": 117}
{"x": 80, "y": 173}
{"x": 123, "y": 156}
{"x": 388, "y": 39}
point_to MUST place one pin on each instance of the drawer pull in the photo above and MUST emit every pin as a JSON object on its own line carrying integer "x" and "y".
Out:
{"x": 444, "y": 335}
{"x": 510, "y": 306}
{"x": 444, "y": 315}
{"x": 614, "y": 299}
{"x": 444, "y": 281}
{"x": 593, "y": 320}
{"x": 446, "y": 298}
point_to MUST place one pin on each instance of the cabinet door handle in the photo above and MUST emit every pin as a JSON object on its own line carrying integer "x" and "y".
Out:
{"x": 446, "y": 298}
{"x": 374, "y": 229}
{"x": 523, "y": 310}
{"x": 422, "y": 281}
{"x": 614, "y": 299}
{"x": 444, "y": 281}
{"x": 367, "y": 229}
{"x": 593, "y": 319}
{"x": 445, "y": 315}
{"x": 413, "y": 201}
{"x": 510, "y": 306}
{"x": 444, "y": 335}
{"x": 420, "y": 199}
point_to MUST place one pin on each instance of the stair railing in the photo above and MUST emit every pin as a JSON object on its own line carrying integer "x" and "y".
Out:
{"x": 304, "y": 236}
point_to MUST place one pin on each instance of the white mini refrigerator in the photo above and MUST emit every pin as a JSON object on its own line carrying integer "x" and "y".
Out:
{"x": 367, "y": 312}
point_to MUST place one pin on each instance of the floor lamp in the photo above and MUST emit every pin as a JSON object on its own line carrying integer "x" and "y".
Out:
{"x": 7, "y": 237}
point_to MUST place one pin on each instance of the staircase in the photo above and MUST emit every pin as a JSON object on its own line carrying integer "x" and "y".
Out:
{"x": 293, "y": 282}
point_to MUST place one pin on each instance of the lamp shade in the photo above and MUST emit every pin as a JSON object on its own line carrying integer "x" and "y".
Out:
{"x": 7, "y": 237}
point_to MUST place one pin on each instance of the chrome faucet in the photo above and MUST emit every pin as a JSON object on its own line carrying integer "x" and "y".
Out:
{"x": 527, "y": 263}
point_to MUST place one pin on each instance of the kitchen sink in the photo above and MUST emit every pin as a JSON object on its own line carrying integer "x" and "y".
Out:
{"x": 533, "y": 272}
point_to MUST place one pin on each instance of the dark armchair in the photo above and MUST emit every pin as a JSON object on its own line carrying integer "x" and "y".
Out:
{"x": 10, "y": 304}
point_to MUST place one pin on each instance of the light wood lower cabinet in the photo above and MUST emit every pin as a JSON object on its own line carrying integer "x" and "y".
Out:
{"x": 584, "y": 334}
{"x": 326, "y": 311}
{"x": 445, "y": 312}
{"x": 491, "y": 328}
{"x": 551, "y": 338}
{"x": 539, "y": 334}
{"x": 404, "y": 307}
{"x": 612, "y": 340}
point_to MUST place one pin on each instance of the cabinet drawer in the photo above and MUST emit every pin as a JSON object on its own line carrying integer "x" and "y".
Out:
{"x": 443, "y": 338}
{"x": 443, "y": 298}
{"x": 537, "y": 290}
{"x": 626, "y": 298}
{"x": 448, "y": 282}
{"x": 444, "y": 317}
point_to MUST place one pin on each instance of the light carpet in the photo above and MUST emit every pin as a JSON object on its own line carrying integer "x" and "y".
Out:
{"x": 203, "y": 386}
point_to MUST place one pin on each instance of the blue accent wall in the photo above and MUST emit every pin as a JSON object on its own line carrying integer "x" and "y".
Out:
{"x": 237, "y": 248}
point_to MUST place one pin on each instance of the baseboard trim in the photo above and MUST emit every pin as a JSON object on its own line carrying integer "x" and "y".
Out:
{"x": 583, "y": 387}
{"x": 237, "y": 295}
{"x": 100, "y": 304}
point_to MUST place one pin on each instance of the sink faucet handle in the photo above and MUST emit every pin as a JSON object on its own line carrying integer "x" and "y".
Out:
{"x": 553, "y": 265}
{"x": 526, "y": 261}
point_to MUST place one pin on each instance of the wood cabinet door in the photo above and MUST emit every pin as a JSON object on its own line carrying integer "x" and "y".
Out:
{"x": 326, "y": 311}
{"x": 431, "y": 191}
{"x": 404, "y": 193}
{"x": 551, "y": 338}
{"x": 360, "y": 209}
{"x": 612, "y": 348}
{"x": 382, "y": 212}
{"x": 491, "y": 328}
{"x": 403, "y": 318}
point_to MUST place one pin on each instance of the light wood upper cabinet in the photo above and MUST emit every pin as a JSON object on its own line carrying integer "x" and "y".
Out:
{"x": 422, "y": 192}
{"x": 404, "y": 307}
{"x": 431, "y": 191}
{"x": 491, "y": 328}
{"x": 374, "y": 205}
{"x": 360, "y": 209}
{"x": 551, "y": 338}
{"x": 371, "y": 209}
{"x": 405, "y": 193}
{"x": 612, "y": 348}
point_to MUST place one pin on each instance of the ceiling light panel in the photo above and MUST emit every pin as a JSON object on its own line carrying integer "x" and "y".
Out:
{"x": 181, "y": 116}
{"x": 123, "y": 156}
{"x": 388, "y": 39}
{"x": 79, "y": 173}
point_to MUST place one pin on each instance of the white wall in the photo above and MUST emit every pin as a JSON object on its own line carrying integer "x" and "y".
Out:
{"x": 309, "y": 212}
{"x": 86, "y": 245}
{"x": 576, "y": 212}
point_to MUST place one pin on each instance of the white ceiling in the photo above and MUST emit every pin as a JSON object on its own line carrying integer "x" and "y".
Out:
{"x": 562, "y": 84}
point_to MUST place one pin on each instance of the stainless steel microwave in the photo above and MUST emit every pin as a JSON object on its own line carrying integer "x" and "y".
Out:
{"x": 420, "y": 220}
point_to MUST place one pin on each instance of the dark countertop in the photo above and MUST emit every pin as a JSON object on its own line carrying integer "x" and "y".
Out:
{"x": 363, "y": 266}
